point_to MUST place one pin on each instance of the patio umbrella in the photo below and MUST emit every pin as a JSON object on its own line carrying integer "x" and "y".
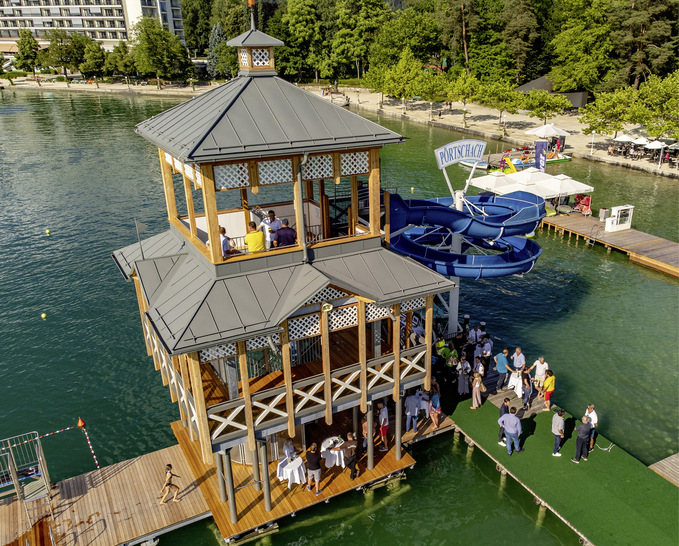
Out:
{"x": 547, "y": 131}
{"x": 674, "y": 146}
{"x": 642, "y": 141}
{"x": 623, "y": 138}
{"x": 656, "y": 145}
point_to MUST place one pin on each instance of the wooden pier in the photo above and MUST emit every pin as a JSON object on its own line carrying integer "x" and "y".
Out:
{"x": 668, "y": 468}
{"x": 647, "y": 250}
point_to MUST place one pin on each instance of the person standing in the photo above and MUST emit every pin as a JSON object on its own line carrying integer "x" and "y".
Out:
{"x": 502, "y": 367}
{"x": 225, "y": 242}
{"x": 476, "y": 390}
{"x": 558, "y": 427}
{"x": 350, "y": 448}
{"x": 540, "y": 368}
{"x": 504, "y": 409}
{"x": 512, "y": 426}
{"x": 518, "y": 360}
{"x": 527, "y": 387}
{"x": 594, "y": 422}
{"x": 286, "y": 235}
{"x": 254, "y": 240}
{"x": 463, "y": 370}
{"x": 478, "y": 366}
{"x": 550, "y": 383}
{"x": 435, "y": 409}
{"x": 168, "y": 486}
{"x": 313, "y": 466}
{"x": 582, "y": 442}
{"x": 383, "y": 419}
{"x": 270, "y": 226}
{"x": 366, "y": 434}
{"x": 412, "y": 405}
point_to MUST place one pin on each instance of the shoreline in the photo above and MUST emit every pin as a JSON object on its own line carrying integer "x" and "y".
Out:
{"x": 482, "y": 121}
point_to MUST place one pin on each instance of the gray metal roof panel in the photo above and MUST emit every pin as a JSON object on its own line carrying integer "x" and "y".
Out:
{"x": 253, "y": 38}
{"x": 161, "y": 245}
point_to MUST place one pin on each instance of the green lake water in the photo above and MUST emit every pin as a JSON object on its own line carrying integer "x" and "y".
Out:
{"x": 72, "y": 164}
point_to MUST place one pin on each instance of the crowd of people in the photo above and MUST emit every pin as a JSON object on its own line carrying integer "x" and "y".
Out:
{"x": 270, "y": 233}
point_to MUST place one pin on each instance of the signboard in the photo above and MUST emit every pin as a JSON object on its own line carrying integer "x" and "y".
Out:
{"x": 541, "y": 154}
{"x": 460, "y": 150}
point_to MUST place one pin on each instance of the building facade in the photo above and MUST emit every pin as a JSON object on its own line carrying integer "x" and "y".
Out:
{"x": 107, "y": 21}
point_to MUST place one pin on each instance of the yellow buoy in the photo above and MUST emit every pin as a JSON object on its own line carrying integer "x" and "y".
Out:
{"x": 47, "y": 231}
{"x": 43, "y": 316}
{"x": 412, "y": 189}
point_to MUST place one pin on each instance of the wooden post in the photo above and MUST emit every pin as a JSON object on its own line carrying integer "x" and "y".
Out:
{"x": 188, "y": 192}
{"x": 387, "y": 219}
{"x": 168, "y": 186}
{"x": 201, "y": 412}
{"x": 308, "y": 189}
{"x": 299, "y": 207}
{"x": 374, "y": 189}
{"x": 168, "y": 360}
{"x": 219, "y": 463}
{"x": 409, "y": 327}
{"x": 370, "y": 414}
{"x": 246, "y": 208}
{"x": 354, "y": 420}
{"x": 396, "y": 349}
{"x": 245, "y": 387}
{"x": 428, "y": 332}
{"x": 325, "y": 354}
{"x": 142, "y": 309}
{"x": 399, "y": 427}
{"x": 336, "y": 168}
{"x": 325, "y": 216}
{"x": 211, "y": 215}
{"x": 186, "y": 379}
{"x": 351, "y": 225}
{"x": 362, "y": 357}
{"x": 354, "y": 203}
{"x": 177, "y": 371}
{"x": 255, "y": 468}
{"x": 230, "y": 493}
{"x": 287, "y": 375}
{"x": 264, "y": 460}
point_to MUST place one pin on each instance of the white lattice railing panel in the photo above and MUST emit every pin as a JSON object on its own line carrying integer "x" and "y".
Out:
{"x": 373, "y": 312}
{"x": 192, "y": 172}
{"x": 275, "y": 405}
{"x": 262, "y": 341}
{"x": 218, "y": 351}
{"x": 231, "y": 176}
{"x": 349, "y": 383}
{"x": 275, "y": 172}
{"x": 327, "y": 294}
{"x": 232, "y": 417}
{"x": 344, "y": 317}
{"x": 383, "y": 375}
{"x": 409, "y": 305}
{"x": 317, "y": 167}
{"x": 355, "y": 163}
{"x": 243, "y": 57}
{"x": 413, "y": 364}
{"x": 260, "y": 57}
{"x": 308, "y": 396}
{"x": 307, "y": 326}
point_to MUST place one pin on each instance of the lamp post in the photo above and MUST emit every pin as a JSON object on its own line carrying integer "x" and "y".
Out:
{"x": 504, "y": 125}
{"x": 591, "y": 150}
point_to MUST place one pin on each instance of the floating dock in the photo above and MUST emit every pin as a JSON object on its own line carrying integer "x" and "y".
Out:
{"x": 668, "y": 468}
{"x": 647, "y": 250}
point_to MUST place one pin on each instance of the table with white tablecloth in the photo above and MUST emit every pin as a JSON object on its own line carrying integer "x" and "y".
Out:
{"x": 515, "y": 384}
{"x": 332, "y": 458}
{"x": 293, "y": 471}
{"x": 423, "y": 401}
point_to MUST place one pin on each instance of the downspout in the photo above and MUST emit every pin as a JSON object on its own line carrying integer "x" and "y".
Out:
{"x": 301, "y": 230}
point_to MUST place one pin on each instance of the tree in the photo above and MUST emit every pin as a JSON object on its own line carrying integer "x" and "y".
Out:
{"x": 218, "y": 62}
{"x": 430, "y": 86}
{"x": 608, "y": 112}
{"x": 500, "y": 95}
{"x": 26, "y": 57}
{"x": 464, "y": 89}
{"x": 399, "y": 81}
{"x": 77, "y": 44}
{"x": 57, "y": 51}
{"x": 196, "y": 17}
{"x": 305, "y": 36}
{"x": 658, "y": 106}
{"x": 95, "y": 60}
{"x": 157, "y": 51}
{"x": 543, "y": 105}
{"x": 120, "y": 60}
{"x": 374, "y": 80}
{"x": 521, "y": 33}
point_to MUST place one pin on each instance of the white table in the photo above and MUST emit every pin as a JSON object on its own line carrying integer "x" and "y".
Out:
{"x": 332, "y": 458}
{"x": 293, "y": 472}
{"x": 515, "y": 383}
{"x": 423, "y": 400}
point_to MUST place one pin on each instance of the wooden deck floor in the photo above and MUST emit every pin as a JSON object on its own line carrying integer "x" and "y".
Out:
{"x": 648, "y": 250}
{"x": 14, "y": 520}
{"x": 250, "y": 503}
{"x": 668, "y": 468}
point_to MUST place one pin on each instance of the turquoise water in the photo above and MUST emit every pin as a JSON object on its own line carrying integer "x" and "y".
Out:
{"x": 72, "y": 164}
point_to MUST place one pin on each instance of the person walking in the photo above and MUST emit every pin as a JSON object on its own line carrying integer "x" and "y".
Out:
{"x": 594, "y": 422}
{"x": 383, "y": 419}
{"x": 512, "y": 426}
{"x": 504, "y": 409}
{"x": 168, "y": 486}
{"x": 550, "y": 382}
{"x": 558, "y": 427}
{"x": 582, "y": 442}
{"x": 476, "y": 390}
{"x": 313, "y": 466}
{"x": 502, "y": 367}
{"x": 541, "y": 368}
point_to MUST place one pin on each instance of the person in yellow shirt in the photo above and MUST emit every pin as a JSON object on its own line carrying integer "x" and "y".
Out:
{"x": 550, "y": 380}
{"x": 255, "y": 239}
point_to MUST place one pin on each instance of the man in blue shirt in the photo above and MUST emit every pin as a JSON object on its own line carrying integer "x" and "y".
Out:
{"x": 512, "y": 426}
{"x": 501, "y": 364}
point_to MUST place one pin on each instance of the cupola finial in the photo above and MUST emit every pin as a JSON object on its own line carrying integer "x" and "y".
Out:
{"x": 251, "y": 5}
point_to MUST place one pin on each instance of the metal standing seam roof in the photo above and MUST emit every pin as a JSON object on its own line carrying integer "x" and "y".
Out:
{"x": 254, "y": 38}
{"x": 192, "y": 309}
{"x": 252, "y": 117}
{"x": 161, "y": 245}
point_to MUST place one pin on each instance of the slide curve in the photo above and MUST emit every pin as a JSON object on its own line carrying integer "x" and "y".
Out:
{"x": 491, "y": 222}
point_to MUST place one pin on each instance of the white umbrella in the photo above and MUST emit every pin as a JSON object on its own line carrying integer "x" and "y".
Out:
{"x": 674, "y": 146}
{"x": 533, "y": 181}
{"x": 623, "y": 138}
{"x": 547, "y": 131}
{"x": 655, "y": 145}
{"x": 642, "y": 141}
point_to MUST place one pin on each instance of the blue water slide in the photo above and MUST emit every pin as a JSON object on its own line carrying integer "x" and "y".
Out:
{"x": 490, "y": 222}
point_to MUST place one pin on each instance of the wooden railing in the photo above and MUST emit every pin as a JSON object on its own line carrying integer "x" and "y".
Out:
{"x": 227, "y": 420}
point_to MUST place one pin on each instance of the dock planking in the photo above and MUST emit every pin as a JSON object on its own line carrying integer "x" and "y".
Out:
{"x": 668, "y": 468}
{"x": 642, "y": 248}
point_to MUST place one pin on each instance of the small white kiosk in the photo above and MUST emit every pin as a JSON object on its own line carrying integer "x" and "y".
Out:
{"x": 621, "y": 218}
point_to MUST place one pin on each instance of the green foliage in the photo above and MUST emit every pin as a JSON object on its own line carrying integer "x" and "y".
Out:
{"x": 520, "y": 33}
{"x": 77, "y": 44}
{"x": 233, "y": 15}
{"x": 157, "y": 51}
{"x": 95, "y": 59}
{"x": 120, "y": 60}
{"x": 608, "y": 112}
{"x": 221, "y": 59}
{"x": 399, "y": 81}
{"x": 305, "y": 38}
{"x": 196, "y": 17}
{"x": 26, "y": 57}
{"x": 464, "y": 89}
{"x": 658, "y": 106}
{"x": 500, "y": 95}
{"x": 57, "y": 53}
{"x": 13, "y": 74}
{"x": 543, "y": 105}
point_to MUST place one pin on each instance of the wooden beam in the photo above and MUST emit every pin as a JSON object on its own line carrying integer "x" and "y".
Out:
{"x": 188, "y": 192}
{"x": 177, "y": 369}
{"x": 325, "y": 216}
{"x": 143, "y": 308}
{"x": 336, "y": 167}
{"x": 245, "y": 387}
{"x": 170, "y": 363}
{"x": 354, "y": 203}
{"x": 362, "y": 357}
{"x": 253, "y": 176}
{"x": 246, "y": 208}
{"x": 374, "y": 189}
{"x": 168, "y": 185}
{"x": 186, "y": 379}
{"x": 396, "y": 344}
{"x": 308, "y": 189}
{"x": 287, "y": 375}
{"x": 201, "y": 412}
{"x": 325, "y": 355}
{"x": 387, "y": 219}
{"x": 211, "y": 215}
{"x": 409, "y": 327}
{"x": 299, "y": 207}
{"x": 428, "y": 332}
